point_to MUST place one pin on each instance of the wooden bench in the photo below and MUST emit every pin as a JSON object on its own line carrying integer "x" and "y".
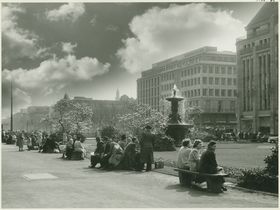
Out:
{"x": 214, "y": 181}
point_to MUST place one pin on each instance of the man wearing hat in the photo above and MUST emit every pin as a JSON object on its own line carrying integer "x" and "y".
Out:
{"x": 146, "y": 148}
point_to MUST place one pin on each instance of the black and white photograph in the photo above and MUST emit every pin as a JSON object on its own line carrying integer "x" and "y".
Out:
{"x": 139, "y": 104}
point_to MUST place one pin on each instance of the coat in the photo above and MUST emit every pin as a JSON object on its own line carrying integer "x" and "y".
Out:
{"x": 208, "y": 163}
{"x": 147, "y": 147}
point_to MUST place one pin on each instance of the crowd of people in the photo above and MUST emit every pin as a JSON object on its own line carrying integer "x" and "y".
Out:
{"x": 125, "y": 153}
{"x": 192, "y": 157}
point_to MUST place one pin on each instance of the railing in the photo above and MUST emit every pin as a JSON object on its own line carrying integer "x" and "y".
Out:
{"x": 246, "y": 51}
{"x": 263, "y": 46}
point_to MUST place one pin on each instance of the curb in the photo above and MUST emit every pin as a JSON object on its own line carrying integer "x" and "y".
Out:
{"x": 228, "y": 184}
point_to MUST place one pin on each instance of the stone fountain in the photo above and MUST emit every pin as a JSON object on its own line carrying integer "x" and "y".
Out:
{"x": 176, "y": 127}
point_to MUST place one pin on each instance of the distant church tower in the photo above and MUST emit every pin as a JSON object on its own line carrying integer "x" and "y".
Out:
{"x": 118, "y": 95}
{"x": 66, "y": 96}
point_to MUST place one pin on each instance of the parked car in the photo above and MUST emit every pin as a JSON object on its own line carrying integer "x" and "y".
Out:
{"x": 272, "y": 139}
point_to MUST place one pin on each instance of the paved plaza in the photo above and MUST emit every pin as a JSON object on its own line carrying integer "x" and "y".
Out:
{"x": 34, "y": 180}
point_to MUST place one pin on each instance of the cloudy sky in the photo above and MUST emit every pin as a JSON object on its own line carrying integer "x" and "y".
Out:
{"x": 91, "y": 49}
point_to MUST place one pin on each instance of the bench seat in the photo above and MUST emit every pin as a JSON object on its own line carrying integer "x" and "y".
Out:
{"x": 214, "y": 181}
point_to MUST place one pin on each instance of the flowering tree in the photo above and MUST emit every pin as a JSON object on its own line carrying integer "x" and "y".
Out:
{"x": 71, "y": 117}
{"x": 140, "y": 116}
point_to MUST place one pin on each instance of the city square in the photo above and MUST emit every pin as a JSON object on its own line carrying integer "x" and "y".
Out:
{"x": 140, "y": 105}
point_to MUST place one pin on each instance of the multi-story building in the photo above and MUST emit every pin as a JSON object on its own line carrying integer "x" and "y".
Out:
{"x": 257, "y": 64}
{"x": 207, "y": 78}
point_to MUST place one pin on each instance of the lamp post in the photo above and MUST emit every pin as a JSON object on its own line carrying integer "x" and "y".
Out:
{"x": 11, "y": 105}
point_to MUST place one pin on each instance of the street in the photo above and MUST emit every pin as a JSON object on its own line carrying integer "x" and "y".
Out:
{"x": 34, "y": 180}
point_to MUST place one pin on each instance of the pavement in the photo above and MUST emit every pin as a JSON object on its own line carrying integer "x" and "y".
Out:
{"x": 35, "y": 180}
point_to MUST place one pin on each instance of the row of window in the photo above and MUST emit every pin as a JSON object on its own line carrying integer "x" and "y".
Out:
{"x": 208, "y": 81}
{"x": 260, "y": 42}
{"x": 210, "y": 92}
{"x": 211, "y": 69}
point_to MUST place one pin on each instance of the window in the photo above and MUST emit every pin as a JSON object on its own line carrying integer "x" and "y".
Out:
{"x": 198, "y": 92}
{"x": 191, "y": 93}
{"x": 211, "y": 92}
{"x": 204, "y": 80}
{"x": 234, "y": 81}
{"x": 235, "y": 92}
{"x": 223, "y": 81}
{"x": 223, "y": 92}
{"x": 195, "y": 92}
{"x": 204, "y": 92}
{"x": 194, "y": 81}
{"x": 198, "y": 80}
{"x": 229, "y": 70}
{"x": 191, "y": 81}
{"x": 217, "y": 92}
{"x": 217, "y": 70}
{"x": 223, "y": 70}
{"x": 210, "y": 80}
{"x": 234, "y": 70}
{"x": 204, "y": 69}
{"x": 211, "y": 69}
{"x": 198, "y": 69}
{"x": 229, "y": 93}
{"x": 232, "y": 105}
{"x": 229, "y": 81}
{"x": 217, "y": 80}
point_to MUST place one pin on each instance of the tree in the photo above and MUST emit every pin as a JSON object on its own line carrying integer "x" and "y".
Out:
{"x": 71, "y": 117}
{"x": 140, "y": 116}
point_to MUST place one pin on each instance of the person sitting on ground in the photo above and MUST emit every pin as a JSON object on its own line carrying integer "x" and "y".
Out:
{"x": 97, "y": 155}
{"x": 107, "y": 153}
{"x": 69, "y": 148}
{"x": 208, "y": 163}
{"x": 184, "y": 154}
{"x": 79, "y": 149}
{"x": 116, "y": 156}
{"x": 129, "y": 160}
{"x": 122, "y": 142}
{"x": 195, "y": 155}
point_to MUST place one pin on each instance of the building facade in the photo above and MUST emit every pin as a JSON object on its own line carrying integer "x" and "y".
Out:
{"x": 206, "y": 78}
{"x": 257, "y": 64}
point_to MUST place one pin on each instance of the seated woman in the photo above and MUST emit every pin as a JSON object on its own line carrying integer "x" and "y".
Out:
{"x": 96, "y": 157}
{"x": 79, "y": 151}
{"x": 116, "y": 156}
{"x": 184, "y": 154}
{"x": 208, "y": 163}
{"x": 129, "y": 161}
{"x": 49, "y": 145}
{"x": 195, "y": 155}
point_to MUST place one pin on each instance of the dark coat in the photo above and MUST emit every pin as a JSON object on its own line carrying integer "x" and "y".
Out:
{"x": 99, "y": 148}
{"x": 208, "y": 163}
{"x": 147, "y": 148}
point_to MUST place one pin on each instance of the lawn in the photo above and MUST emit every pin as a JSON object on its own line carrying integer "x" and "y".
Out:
{"x": 237, "y": 155}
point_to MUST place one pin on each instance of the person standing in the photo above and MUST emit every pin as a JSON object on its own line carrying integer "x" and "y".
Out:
{"x": 146, "y": 148}
{"x": 20, "y": 141}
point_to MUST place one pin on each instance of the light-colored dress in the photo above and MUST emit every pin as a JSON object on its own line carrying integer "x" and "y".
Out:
{"x": 194, "y": 159}
{"x": 78, "y": 147}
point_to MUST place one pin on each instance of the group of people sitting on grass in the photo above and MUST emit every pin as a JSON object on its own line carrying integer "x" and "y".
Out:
{"x": 191, "y": 157}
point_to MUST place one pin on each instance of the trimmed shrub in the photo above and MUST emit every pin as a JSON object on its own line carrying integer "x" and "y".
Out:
{"x": 272, "y": 162}
{"x": 164, "y": 143}
{"x": 258, "y": 179}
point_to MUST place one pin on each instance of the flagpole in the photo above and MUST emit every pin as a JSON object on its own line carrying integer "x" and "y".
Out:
{"x": 11, "y": 104}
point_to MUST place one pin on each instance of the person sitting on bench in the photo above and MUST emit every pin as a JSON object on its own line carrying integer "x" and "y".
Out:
{"x": 208, "y": 163}
{"x": 183, "y": 155}
{"x": 195, "y": 155}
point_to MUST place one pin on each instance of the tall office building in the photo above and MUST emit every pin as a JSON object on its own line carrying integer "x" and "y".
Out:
{"x": 207, "y": 78}
{"x": 257, "y": 64}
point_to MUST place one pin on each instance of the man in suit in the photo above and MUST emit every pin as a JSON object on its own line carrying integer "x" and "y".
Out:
{"x": 146, "y": 148}
{"x": 208, "y": 163}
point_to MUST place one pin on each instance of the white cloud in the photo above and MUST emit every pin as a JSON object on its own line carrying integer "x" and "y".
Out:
{"x": 163, "y": 33}
{"x": 54, "y": 74}
{"x": 17, "y": 42}
{"x": 68, "y": 48}
{"x": 70, "y": 11}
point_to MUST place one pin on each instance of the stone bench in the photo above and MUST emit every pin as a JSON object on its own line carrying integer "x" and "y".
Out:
{"x": 214, "y": 183}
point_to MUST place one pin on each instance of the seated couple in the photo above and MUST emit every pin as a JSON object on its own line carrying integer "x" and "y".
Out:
{"x": 189, "y": 158}
{"x": 74, "y": 150}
